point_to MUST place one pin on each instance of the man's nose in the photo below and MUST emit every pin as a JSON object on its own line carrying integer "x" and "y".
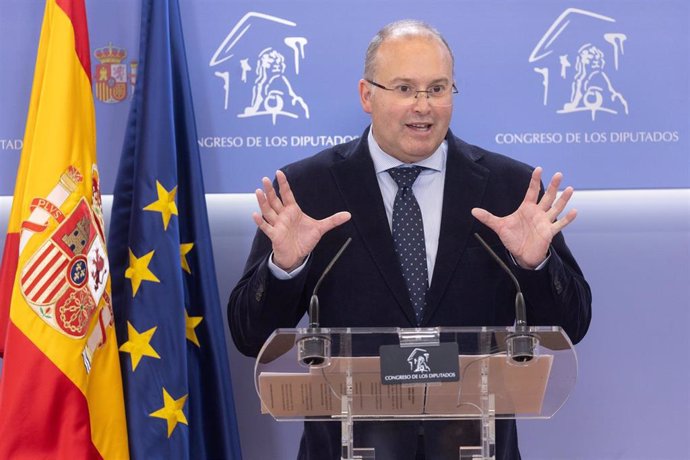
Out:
{"x": 421, "y": 101}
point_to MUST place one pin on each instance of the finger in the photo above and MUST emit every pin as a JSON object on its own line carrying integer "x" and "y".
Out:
{"x": 560, "y": 203}
{"x": 271, "y": 195}
{"x": 285, "y": 190}
{"x": 339, "y": 218}
{"x": 551, "y": 192}
{"x": 560, "y": 224}
{"x": 267, "y": 212}
{"x": 258, "y": 220}
{"x": 534, "y": 184}
{"x": 263, "y": 225}
{"x": 486, "y": 218}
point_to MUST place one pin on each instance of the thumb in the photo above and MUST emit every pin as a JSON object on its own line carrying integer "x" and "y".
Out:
{"x": 339, "y": 218}
{"x": 484, "y": 216}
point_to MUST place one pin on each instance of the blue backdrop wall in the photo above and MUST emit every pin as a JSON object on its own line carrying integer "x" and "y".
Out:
{"x": 519, "y": 65}
{"x": 518, "y": 68}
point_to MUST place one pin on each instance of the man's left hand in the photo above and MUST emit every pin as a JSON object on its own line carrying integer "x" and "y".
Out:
{"x": 527, "y": 233}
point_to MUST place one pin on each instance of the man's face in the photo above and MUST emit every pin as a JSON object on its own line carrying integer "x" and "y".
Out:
{"x": 410, "y": 129}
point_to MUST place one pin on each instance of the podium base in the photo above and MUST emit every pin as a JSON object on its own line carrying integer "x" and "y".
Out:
{"x": 363, "y": 453}
{"x": 474, "y": 453}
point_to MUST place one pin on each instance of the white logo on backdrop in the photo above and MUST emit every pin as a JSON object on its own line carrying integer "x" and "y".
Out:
{"x": 584, "y": 51}
{"x": 263, "y": 67}
{"x": 419, "y": 361}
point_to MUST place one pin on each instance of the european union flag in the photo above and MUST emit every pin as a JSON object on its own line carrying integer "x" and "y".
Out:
{"x": 169, "y": 324}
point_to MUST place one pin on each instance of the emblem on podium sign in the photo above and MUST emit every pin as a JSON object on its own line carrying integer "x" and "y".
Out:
{"x": 419, "y": 360}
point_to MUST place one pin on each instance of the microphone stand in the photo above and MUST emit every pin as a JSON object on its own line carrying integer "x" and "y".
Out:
{"x": 521, "y": 345}
{"x": 314, "y": 349}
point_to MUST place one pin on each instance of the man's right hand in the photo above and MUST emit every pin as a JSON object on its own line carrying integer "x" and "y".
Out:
{"x": 293, "y": 234}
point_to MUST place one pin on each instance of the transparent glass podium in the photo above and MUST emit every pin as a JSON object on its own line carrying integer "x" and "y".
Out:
{"x": 392, "y": 374}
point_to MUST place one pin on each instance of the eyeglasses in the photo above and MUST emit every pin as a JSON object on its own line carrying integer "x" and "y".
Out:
{"x": 439, "y": 95}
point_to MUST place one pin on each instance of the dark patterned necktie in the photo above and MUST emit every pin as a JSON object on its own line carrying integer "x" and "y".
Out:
{"x": 408, "y": 236}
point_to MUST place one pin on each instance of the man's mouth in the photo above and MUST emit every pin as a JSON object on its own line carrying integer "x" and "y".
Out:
{"x": 423, "y": 127}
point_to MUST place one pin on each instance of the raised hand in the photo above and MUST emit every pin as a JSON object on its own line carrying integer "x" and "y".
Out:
{"x": 527, "y": 233}
{"x": 293, "y": 234}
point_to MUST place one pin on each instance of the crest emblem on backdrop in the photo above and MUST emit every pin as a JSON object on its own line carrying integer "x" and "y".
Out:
{"x": 112, "y": 77}
{"x": 260, "y": 58}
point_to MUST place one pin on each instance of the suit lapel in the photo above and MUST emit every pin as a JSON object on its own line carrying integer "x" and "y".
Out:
{"x": 357, "y": 183}
{"x": 463, "y": 189}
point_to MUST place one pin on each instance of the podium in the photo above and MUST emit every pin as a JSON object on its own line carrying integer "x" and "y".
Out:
{"x": 394, "y": 374}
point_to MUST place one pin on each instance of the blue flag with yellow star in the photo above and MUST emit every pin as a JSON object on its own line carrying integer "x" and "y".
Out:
{"x": 170, "y": 330}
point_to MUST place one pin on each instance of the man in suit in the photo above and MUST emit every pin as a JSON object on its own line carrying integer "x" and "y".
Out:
{"x": 352, "y": 190}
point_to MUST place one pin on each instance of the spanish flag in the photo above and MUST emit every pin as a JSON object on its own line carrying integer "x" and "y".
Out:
{"x": 61, "y": 387}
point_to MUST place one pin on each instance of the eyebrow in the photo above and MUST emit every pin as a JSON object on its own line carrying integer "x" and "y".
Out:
{"x": 399, "y": 80}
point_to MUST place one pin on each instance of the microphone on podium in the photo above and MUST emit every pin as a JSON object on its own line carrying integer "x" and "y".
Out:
{"x": 313, "y": 350}
{"x": 520, "y": 344}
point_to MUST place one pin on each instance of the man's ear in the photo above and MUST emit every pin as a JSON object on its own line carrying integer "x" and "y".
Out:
{"x": 365, "y": 92}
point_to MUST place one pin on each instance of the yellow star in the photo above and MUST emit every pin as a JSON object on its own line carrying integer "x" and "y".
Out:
{"x": 138, "y": 271}
{"x": 184, "y": 249}
{"x": 139, "y": 345}
{"x": 165, "y": 204}
{"x": 171, "y": 411}
{"x": 192, "y": 322}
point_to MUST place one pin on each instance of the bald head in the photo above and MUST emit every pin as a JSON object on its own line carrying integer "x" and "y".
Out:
{"x": 400, "y": 29}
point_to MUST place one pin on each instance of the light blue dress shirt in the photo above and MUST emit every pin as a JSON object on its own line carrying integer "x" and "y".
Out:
{"x": 428, "y": 189}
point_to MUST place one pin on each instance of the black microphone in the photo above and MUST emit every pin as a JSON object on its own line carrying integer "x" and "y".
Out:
{"x": 314, "y": 302}
{"x": 314, "y": 350}
{"x": 521, "y": 344}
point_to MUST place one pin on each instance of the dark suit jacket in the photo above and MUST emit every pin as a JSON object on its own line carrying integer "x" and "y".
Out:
{"x": 366, "y": 287}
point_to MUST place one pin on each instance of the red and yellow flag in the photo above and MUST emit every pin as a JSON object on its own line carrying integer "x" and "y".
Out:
{"x": 61, "y": 388}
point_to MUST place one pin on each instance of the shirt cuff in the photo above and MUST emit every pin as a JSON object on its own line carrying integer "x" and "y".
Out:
{"x": 282, "y": 274}
{"x": 538, "y": 267}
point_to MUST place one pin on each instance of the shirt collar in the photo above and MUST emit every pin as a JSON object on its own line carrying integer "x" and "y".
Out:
{"x": 383, "y": 161}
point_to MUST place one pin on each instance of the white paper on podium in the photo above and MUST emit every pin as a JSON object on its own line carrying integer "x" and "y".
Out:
{"x": 517, "y": 390}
